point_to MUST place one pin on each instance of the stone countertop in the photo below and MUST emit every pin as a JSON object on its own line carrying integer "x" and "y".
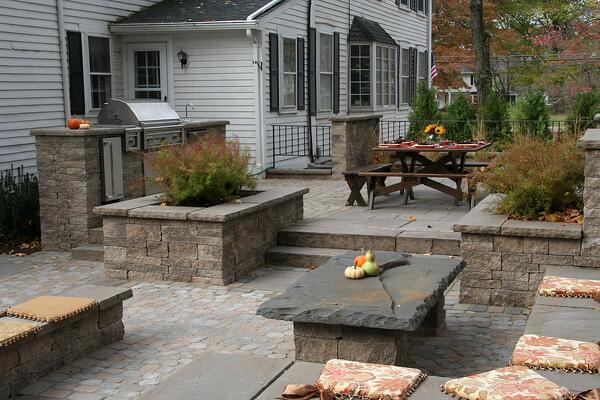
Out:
{"x": 96, "y": 130}
{"x": 399, "y": 299}
{"x": 148, "y": 207}
{"x": 193, "y": 124}
{"x": 482, "y": 221}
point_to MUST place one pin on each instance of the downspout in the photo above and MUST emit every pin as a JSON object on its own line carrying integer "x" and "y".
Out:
{"x": 258, "y": 101}
{"x": 64, "y": 63}
{"x": 309, "y": 82}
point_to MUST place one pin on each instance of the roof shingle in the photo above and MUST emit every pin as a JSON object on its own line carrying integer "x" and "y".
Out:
{"x": 177, "y": 11}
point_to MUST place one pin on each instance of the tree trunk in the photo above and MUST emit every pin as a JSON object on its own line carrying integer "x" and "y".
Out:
{"x": 481, "y": 45}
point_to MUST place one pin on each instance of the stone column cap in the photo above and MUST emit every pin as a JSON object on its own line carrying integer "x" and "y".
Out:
{"x": 590, "y": 140}
{"x": 350, "y": 118}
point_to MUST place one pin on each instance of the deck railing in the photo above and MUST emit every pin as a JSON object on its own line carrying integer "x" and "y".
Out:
{"x": 289, "y": 141}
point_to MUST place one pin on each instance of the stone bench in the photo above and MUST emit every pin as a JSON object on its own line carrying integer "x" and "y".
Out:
{"x": 567, "y": 318}
{"x": 58, "y": 344}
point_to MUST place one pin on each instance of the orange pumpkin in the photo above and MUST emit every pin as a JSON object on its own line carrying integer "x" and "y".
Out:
{"x": 360, "y": 260}
{"x": 73, "y": 123}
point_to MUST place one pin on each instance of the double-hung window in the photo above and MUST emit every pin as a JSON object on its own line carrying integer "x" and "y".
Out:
{"x": 100, "y": 71}
{"x": 289, "y": 64}
{"x": 386, "y": 76}
{"x": 325, "y": 72}
{"x": 421, "y": 5}
{"x": 405, "y": 73}
{"x": 360, "y": 75}
{"x": 422, "y": 67}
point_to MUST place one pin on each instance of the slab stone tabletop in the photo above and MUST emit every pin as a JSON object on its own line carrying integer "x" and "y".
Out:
{"x": 399, "y": 299}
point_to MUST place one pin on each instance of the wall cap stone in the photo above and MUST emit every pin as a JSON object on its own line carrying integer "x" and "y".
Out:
{"x": 590, "y": 140}
{"x": 98, "y": 130}
{"x": 187, "y": 125}
{"x": 352, "y": 118}
{"x": 122, "y": 208}
{"x": 481, "y": 222}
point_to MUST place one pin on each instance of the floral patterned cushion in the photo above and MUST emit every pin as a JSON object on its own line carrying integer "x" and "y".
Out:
{"x": 368, "y": 381}
{"x": 553, "y": 353}
{"x": 556, "y": 286}
{"x": 510, "y": 383}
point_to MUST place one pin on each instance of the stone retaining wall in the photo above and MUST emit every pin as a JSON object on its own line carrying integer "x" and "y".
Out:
{"x": 58, "y": 344}
{"x": 215, "y": 245}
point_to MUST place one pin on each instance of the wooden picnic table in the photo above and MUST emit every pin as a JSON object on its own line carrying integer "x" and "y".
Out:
{"x": 417, "y": 169}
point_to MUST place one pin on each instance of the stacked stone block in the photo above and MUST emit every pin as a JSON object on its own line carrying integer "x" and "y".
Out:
{"x": 590, "y": 247}
{"x": 58, "y": 344}
{"x": 352, "y": 139}
{"x": 215, "y": 245}
{"x": 69, "y": 176}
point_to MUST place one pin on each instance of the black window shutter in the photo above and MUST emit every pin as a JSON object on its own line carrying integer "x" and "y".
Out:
{"x": 413, "y": 74}
{"x": 300, "y": 74}
{"x": 336, "y": 73}
{"x": 75, "y": 56}
{"x": 274, "y": 71}
{"x": 312, "y": 70}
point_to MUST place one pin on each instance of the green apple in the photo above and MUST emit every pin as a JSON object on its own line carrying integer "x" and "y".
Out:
{"x": 371, "y": 268}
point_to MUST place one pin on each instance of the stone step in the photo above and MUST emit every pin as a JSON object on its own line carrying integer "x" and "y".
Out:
{"x": 300, "y": 257}
{"x": 306, "y": 173}
{"x": 88, "y": 252}
{"x": 348, "y": 237}
{"x": 96, "y": 235}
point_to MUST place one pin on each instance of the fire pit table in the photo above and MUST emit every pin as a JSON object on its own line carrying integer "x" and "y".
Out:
{"x": 369, "y": 319}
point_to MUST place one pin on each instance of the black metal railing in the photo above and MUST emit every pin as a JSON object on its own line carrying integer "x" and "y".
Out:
{"x": 391, "y": 131}
{"x": 289, "y": 141}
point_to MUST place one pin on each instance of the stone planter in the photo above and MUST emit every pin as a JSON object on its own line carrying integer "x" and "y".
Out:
{"x": 215, "y": 245}
{"x": 506, "y": 259}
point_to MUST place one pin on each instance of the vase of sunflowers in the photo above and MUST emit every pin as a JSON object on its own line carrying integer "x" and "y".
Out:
{"x": 434, "y": 133}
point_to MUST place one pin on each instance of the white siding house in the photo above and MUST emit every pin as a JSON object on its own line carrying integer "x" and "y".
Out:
{"x": 228, "y": 75}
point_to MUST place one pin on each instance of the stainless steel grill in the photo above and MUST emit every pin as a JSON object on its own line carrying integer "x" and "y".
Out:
{"x": 149, "y": 124}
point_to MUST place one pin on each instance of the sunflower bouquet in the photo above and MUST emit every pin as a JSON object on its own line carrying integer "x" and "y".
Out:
{"x": 434, "y": 133}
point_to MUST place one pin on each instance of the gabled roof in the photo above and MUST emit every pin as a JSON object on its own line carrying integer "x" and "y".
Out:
{"x": 365, "y": 30}
{"x": 181, "y": 11}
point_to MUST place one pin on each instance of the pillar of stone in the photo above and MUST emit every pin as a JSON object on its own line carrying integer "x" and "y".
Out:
{"x": 590, "y": 143}
{"x": 352, "y": 140}
{"x": 70, "y": 186}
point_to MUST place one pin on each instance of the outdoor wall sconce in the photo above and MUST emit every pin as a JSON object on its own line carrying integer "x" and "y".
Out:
{"x": 183, "y": 58}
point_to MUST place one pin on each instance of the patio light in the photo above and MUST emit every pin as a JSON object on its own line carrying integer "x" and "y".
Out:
{"x": 183, "y": 58}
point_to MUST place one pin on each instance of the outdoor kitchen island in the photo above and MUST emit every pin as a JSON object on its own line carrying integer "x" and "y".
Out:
{"x": 366, "y": 320}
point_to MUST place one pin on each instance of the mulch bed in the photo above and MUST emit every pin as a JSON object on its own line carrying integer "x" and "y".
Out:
{"x": 21, "y": 247}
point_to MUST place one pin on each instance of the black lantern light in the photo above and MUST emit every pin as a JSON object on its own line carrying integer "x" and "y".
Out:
{"x": 183, "y": 58}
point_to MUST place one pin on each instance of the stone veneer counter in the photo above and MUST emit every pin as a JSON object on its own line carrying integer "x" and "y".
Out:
{"x": 368, "y": 319}
{"x": 506, "y": 259}
{"x": 216, "y": 245}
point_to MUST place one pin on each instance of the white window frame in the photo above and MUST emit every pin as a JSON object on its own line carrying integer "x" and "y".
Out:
{"x": 131, "y": 48}
{"x": 283, "y": 108}
{"x": 319, "y": 72}
{"x": 87, "y": 81}
{"x": 404, "y": 79}
{"x": 371, "y": 77}
{"x": 421, "y": 78}
{"x": 391, "y": 76}
{"x": 424, "y": 6}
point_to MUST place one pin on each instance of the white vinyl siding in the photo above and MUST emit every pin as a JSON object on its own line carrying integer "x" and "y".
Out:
{"x": 31, "y": 89}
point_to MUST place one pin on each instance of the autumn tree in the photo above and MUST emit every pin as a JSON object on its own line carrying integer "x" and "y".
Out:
{"x": 481, "y": 46}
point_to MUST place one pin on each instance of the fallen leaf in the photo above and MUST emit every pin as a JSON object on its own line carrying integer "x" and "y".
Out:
{"x": 412, "y": 218}
{"x": 163, "y": 204}
{"x": 238, "y": 201}
{"x": 20, "y": 254}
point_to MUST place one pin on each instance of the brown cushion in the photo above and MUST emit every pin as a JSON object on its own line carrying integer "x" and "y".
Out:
{"x": 51, "y": 308}
{"x": 12, "y": 330}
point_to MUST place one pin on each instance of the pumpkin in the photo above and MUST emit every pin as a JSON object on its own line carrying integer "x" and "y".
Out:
{"x": 354, "y": 273}
{"x": 84, "y": 126}
{"x": 73, "y": 123}
{"x": 360, "y": 260}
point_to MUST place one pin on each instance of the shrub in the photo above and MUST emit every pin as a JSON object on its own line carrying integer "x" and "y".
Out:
{"x": 495, "y": 113}
{"x": 582, "y": 112}
{"x": 19, "y": 205}
{"x": 203, "y": 173}
{"x": 532, "y": 115}
{"x": 424, "y": 111}
{"x": 537, "y": 176}
{"x": 460, "y": 120}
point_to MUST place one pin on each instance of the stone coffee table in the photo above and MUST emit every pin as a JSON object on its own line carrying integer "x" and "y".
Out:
{"x": 365, "y": 320}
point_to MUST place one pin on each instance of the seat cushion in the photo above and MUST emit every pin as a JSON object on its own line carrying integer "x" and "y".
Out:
{"x": 509, "y": 383}
{"x": 369, "y": 381}
{"x": 51, "y": 308}
{"x": 12, "y": 330}
{"x": 557, "y": 286}
{"x": 554, "y": 353}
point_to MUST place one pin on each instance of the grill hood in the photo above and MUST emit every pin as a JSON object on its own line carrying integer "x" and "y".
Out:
{"x": 137, "y": 112}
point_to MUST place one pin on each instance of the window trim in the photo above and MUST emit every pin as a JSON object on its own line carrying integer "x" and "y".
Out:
{"x": 283, "y": 109}
{"x": 162, "y": 48}
{"x": 87, "y": 79}
{"x": 423, "y": 78}
{"x": 404, "y": 102}
{"x": 319, "y": 72}
{"x": 393, "y": 105}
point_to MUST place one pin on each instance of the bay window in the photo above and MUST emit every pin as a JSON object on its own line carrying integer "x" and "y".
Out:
{"x": 372, "y": 76}
{"x": 386, "y": 76}
{"x": 405, "y": 73}
{"x": 325, "y": 72}
{"x": 288, "y": 70}
{"x": 360, "y": 75}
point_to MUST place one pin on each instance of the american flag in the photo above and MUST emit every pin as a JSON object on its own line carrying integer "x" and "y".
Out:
{"x": 434, "y": 72}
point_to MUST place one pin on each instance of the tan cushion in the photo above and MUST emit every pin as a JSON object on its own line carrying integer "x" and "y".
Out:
{"x": 555, "y": 286}
{"x": 51, "y": 308}
{"x": 368, "y": 381}
{"x": 553, "y": 353}
{"x": 510, "y": 383}
{"x": 12, "y": 330}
